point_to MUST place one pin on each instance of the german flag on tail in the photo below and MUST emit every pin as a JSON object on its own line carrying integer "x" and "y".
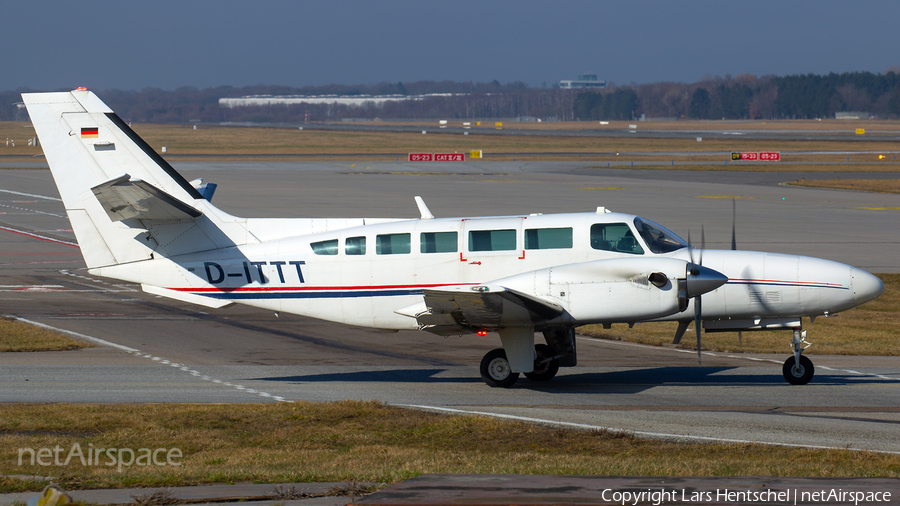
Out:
{"x": 89, "y": 132}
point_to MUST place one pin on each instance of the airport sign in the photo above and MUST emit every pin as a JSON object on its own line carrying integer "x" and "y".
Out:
{"x": 449, "y": 157}
{"x": 437, "y": 157}
{"x": 765, "y": 156}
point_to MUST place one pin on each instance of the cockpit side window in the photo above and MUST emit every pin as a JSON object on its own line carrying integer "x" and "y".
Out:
{"x": 615, "y": 237}
{"x": 658, "y": 238}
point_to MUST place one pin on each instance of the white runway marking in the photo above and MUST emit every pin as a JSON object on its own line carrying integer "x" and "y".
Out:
{"x": 38, "y": 236}
{"x": 45, "y": 197}
{"x": 152, "y": 358}
{"x": 33, "y": 211}
{"x": 588, "y": 339}
{"x": 653, "y": 435}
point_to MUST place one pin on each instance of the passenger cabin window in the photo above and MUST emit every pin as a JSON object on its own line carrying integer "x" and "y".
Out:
{"x": 614, "y": 237}
{"x": 492, "y": 240}
{"x": 438, "y": 242}
{"x": 355, "y": 246}
{"x": 548, "y": 238}
{"x": 392, "y": 244}
{"x": 329, "y": 247}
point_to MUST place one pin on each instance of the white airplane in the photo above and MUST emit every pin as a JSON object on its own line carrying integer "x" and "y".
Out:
{"x": 138, "y": 220}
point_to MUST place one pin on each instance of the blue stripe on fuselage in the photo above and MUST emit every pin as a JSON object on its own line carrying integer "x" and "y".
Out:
{"x": 802, "y": 285}
{"x": 309, "y": 294}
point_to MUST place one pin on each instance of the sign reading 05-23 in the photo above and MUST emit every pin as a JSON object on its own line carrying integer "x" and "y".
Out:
{"x": 766, "y": 156}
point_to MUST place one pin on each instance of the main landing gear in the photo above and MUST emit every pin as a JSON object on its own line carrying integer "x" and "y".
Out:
{"x": 496, "y": 372}
{"x": 798, "y": 370}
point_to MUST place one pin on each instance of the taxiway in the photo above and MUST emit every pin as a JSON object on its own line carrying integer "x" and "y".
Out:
{"x": 158, "y": 350}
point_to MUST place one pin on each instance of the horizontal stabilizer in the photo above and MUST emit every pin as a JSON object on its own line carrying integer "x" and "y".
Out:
{"x": 123, "y": 198}
{"x": 483, "y": 307}
{"x": 187, "y": 297}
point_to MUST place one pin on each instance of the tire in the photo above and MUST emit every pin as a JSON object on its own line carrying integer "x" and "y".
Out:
{"x": 495, "y": 370}
{"x": 547, "y": 370}
{"x": 799, "y": 375}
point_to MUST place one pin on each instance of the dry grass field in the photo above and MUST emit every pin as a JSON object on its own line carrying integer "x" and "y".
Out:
{"x": 237, "y": 142}
{"x": 369, "y": 442}
{"x": 16, "y": 336}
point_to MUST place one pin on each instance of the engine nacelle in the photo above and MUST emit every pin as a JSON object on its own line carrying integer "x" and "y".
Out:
{"x": 617, "y": 290}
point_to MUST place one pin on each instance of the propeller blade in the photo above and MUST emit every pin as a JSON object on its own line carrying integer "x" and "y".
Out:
{"x": 690, "y": 249}
{"x": 733, "y": 224}
{"x": 702, "y": 244}
{"x": 679, "y": 332}
{"x": 697, "y": 322}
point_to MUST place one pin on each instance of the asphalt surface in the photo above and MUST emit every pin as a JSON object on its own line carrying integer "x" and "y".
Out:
{"x": 171, "y": 352}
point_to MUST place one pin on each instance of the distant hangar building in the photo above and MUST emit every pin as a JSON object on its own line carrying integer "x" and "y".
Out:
{"x": 583, "y": 81}
{"x": 355, "y": 100}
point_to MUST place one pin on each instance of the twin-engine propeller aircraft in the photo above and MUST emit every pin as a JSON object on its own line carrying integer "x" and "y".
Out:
{"x": 138, "y": 220}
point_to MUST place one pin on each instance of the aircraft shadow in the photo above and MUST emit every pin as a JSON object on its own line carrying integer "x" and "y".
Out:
{"x": 628, "y": 381}
{"x": 383, "y": 376}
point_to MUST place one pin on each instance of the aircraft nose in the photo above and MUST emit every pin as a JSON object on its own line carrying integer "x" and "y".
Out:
{"x": 866, "y": 287}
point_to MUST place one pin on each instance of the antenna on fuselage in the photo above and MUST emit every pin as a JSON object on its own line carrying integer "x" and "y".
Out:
{"x": 423, "y": 209}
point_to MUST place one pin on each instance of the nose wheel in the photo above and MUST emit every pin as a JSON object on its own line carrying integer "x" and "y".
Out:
{"x": 798, "y": 370}
{"x": 798, "y": 374}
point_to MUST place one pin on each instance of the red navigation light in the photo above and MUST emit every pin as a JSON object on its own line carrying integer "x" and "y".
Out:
{"x": 482, "y": 332}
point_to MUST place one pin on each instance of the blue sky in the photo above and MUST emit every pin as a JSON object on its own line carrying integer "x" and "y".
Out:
{"x": 167, "y": 44}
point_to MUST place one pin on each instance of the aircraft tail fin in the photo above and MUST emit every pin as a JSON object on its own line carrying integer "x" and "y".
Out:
{"x": 125, "y": 202}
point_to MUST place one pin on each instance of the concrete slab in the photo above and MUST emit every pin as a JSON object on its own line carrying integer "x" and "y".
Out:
{"x": 446, "y": 489}
{"x": 316, "y": 494}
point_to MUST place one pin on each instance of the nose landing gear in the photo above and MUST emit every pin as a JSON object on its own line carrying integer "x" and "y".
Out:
{"x": 798, "y": 370}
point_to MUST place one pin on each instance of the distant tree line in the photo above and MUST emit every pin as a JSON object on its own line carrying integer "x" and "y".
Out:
{"x": 621, "y": 104}
{"x": 748, "y": 97}
{"x": 742, "y": 97}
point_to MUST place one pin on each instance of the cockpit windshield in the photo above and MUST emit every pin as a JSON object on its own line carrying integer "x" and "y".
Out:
{"x": 658, "y": 238}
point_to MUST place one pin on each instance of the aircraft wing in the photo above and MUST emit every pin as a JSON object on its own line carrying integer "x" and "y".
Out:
{"x": 123, "y": 198}
{"x": 453, "y": 310}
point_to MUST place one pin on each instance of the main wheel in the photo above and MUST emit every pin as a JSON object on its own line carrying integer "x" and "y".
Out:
{"x": 495, "y": 370}
{"x": 547, "y": 370}
{"x": 798, "y": 374}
